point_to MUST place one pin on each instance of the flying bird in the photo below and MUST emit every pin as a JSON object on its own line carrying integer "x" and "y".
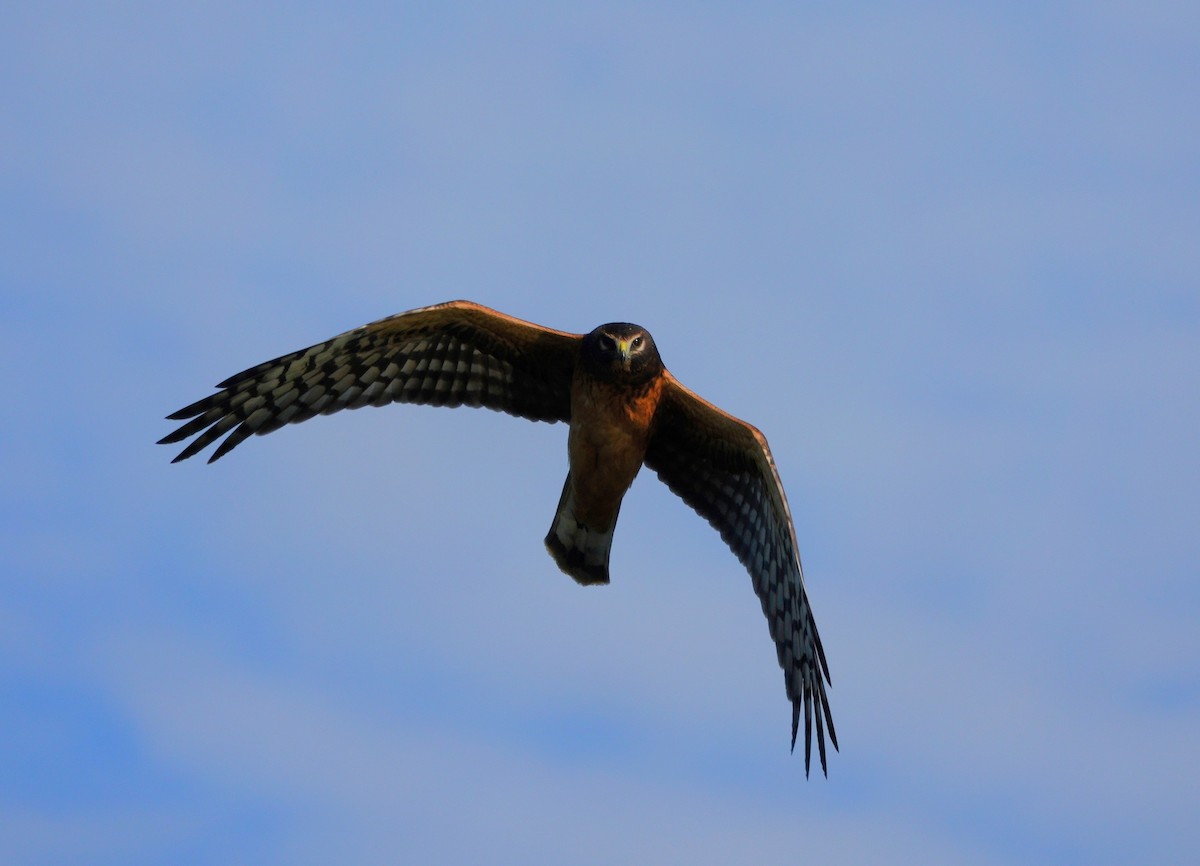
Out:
{"x": 623, "y": 408}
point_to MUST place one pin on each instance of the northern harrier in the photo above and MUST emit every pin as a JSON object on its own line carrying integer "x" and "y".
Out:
{"x": 624, "y": 409}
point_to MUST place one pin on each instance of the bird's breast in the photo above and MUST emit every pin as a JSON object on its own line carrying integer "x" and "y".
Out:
{"x": 610, "y": 428}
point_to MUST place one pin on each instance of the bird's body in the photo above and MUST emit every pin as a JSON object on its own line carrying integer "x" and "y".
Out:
{"x": 606, "y": 445}
{"x": 611, "y": 422}
{"x": 624, "y": 409}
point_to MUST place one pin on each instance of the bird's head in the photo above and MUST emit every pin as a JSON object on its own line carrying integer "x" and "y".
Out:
{"x": 621, "y": 352}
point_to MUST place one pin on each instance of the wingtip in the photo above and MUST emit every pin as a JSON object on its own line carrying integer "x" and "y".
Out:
{"x": 808, "y": 738}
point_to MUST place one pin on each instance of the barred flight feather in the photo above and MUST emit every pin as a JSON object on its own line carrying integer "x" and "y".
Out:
{"x": 442, "y": 356}
{"x": 737, "y": 490}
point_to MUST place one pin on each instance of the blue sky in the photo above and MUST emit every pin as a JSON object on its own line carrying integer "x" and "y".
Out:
{"x": 943, "y": 255}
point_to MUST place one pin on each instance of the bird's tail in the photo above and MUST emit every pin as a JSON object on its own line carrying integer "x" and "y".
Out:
{"x": 579, "y": 550}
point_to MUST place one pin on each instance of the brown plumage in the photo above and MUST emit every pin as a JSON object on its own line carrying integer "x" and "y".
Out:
{"x": 624, "y": 409}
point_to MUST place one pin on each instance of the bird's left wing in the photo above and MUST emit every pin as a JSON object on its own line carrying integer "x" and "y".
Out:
{"x": 453, "y": 354}
{"x": 721, "y": 466}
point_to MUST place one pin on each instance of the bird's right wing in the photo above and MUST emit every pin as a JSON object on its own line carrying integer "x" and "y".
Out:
{"x": 454, "y": 354}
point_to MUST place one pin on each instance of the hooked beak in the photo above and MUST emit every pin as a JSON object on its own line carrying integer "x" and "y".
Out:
{"x": 623, "y": 349}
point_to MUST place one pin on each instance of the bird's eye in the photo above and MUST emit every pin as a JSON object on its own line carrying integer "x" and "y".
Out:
{"x": 606, "y": 343}
{"x": 637, "y": 342}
